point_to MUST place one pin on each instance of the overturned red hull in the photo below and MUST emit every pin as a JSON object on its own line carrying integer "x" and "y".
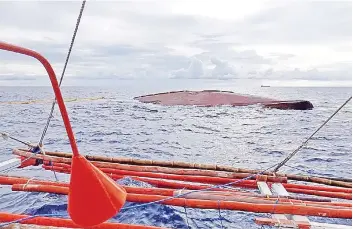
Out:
{"x": 219, "y": 98}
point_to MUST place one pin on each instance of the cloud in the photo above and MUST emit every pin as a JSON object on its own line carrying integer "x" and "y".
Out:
{"x": 221, "y": 40}
{"x": 312, "y": 74}
{"x": 15, "y": 78}
{"x": 194, "y": 71}
{"x": 197, "y": 70}
{"x": 221, "y": 69}
{"x": 299, "y": 22}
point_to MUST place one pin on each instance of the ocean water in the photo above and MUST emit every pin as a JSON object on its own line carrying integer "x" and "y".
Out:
{"x": 248, "y": 137}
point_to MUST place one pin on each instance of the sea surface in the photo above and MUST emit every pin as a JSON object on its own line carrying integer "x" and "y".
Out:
{"x": 247, "y": 137}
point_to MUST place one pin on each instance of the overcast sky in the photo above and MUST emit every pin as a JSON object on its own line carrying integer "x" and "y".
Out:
{"x": 273, "y": 40}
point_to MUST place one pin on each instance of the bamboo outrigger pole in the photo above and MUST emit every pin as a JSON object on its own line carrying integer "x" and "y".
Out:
{"x": 342, "y": 182}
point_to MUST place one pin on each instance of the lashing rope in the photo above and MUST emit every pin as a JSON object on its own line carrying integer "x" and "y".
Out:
{"x": 30, "y": 217}
{"x": 200, "y": 190}
{"x": 6, "y": 136}
{"x": 63, "y": 72}
{"x": 186, "y": 215}
{"x": 219, "y": 213}
{"x": 309, "y": 138}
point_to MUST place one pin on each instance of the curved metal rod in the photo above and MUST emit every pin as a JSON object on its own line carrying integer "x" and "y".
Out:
{"x": 55, "y": 85}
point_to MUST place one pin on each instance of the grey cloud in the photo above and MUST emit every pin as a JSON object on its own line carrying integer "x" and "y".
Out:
{"x": 223, "y": 70}
{"x": 250, "y": 56}
{"x": 311, "y": 74}
{"x": 44, "y": 15}
{"x": 243, "y": 58}
{"x": 294, "y": 22}
{"x": 156, "y": 21}
{"x": 98, "y": 77}
{"x": 298, "y": 22}
{"x": 225, "y": 50}
{"x": 15, "y": 78}
{"x": 212, "y": 36}
{"x": 282, "y": 56}
{"x": 213, "y": 45}
{"x": 196, "y": 70}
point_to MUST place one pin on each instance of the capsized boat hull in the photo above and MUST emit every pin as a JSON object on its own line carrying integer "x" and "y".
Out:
{"x": 220, "y": 98}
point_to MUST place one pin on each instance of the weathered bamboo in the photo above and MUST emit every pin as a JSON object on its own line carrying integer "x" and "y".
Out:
{"x": 349, "y": 180}
{"x": 318, "y": 180}
{"x": 277, "y": 208}
{"x": 197, "y": 195}
{"x": 311, "y": 190}
{"x": 204, "y": 179}
{"x": 11, "y": 180}
{"x": 178, "y": 171}
{"x": 134, "y": 161}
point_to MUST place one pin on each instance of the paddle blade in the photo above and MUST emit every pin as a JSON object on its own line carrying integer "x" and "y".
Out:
{"x": 93, "y": 196}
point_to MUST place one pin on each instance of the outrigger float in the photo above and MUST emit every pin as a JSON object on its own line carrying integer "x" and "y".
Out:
{"x": 198, "y": 186}
{"x": 94, "y": 196}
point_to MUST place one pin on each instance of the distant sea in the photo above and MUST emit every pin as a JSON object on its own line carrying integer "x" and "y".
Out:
{"x": 248, "y": 137}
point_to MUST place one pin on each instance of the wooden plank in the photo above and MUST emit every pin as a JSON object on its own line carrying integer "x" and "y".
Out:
{"x": 264, "y": 189}
{"x": 300, "y": 218}
{"x": 281, "y": 223}
{"x": 315, "y": 225}
{"x": 278, "y": 189}
{"x": 292, "y": 221}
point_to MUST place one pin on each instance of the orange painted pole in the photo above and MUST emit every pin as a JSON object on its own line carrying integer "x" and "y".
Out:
{"x": 10, "y": 180}
{"x": 94, "y": 197}
{"x": 339, "y": 195}
{"x": 318, "y": 188}
{"x": 250, "y": 207}
{"x": 279, "y": 208}
{"x": 26, "y": 182}
{"x": 161, "y": 183}
{"x": 66, "y": 223}
{"x": 214, "y": 180}
{"x": 246, "y": 183}
{"x": 55, "y": 85}
{"x": 208, "y": 195}
{"x": 112, "y": 162}
{"x": 344, "y": 182}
